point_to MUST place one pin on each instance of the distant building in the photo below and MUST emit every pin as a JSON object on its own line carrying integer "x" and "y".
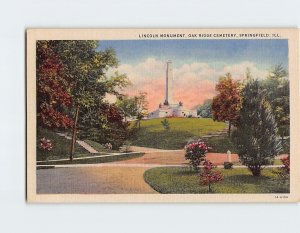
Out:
{"x": 168, "y": 108}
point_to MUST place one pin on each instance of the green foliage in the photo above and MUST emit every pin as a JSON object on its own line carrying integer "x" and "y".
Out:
{"x": 181, "y": 180}
{"x": 165, "y": 123}
{"x": 204, "y": 110}
{"x": 228, "y": 165}
{"x": 256, "y": 134}
{"x": 103, "y": 123}
{"x": 128, "y": 106}
{"x": 152, "y": 134}
{"x": 277, "y": 93}
{"x": 220, "y": 144}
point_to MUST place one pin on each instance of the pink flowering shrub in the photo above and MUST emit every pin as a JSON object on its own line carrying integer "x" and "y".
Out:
{"x": 284, "y": 172}
{"x": 45, "y": 144}
{"x": 286, "y": 164}
{"x": 195, "y": 153}
{"x": 208, "y": 176}
{"x": 108, "y": 146}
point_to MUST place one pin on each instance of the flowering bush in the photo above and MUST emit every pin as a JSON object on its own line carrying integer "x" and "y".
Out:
{"x": 284, "y": 171}
{"x": 286, "y": 165}
{"x": 45, "y": 144}
{"x": 108, "y": 146}
{"x": 195, "y": 153}
{"x": 208, "y": 176}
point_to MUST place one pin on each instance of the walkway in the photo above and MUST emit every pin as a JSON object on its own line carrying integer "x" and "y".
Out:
{"x": 118, "y": 177}
{"x": 81, "y": 143}
{"x": 172, "y": 157}
{"x": 92, "y": 180}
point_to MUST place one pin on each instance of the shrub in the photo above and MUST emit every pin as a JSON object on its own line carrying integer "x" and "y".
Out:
{"x": 208, "y": 176}
{"x": 256, "y": 135}
{"x": 286, "y": 164}
{"x": 165, "y": 123}
{"x": 45, "y": 144}
{"x": 228, "y": 165}
{"x": 195, "y": 153}
{"x": 283, "y": 172}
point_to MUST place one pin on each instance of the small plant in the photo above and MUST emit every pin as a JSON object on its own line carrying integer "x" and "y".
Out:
{"x": 228, "y": 165}
{"x": 126, "y": 147}
{"x": 165, "y": 123}
{"x": 195, "y": 153}
{"x": 286, "y": 165}
{"x": 208, "y": 176}
{"x": 108, "y": 146}
{"x": 284, "y": 171}
{"x": 45, "y": 144}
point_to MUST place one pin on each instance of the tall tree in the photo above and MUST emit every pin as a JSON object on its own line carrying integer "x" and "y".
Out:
{"x": 226, "y": 105}
{"x": 205, "y": 109}
{"x": 128, "y": 106}
{"x": 142, "y": 107}
{"x": 104, "y": 123}
{"x": 256, "y": 135}
{"x": 53, "y": 88}
{"x": 87, "y": 67}
{"x": 277, "y": 93}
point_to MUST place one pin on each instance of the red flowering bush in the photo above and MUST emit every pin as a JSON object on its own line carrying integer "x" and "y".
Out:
{"x": 286, "y": 165}
{"x": 195, "y": 153}
{"x": 45, "y": 144}
{"x": 208, "y": 176}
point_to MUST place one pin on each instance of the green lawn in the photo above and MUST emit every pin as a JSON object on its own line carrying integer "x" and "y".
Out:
{"x": 238, "y": 180}
{"x": 152, "y": 134}
{"x": 220, "y": 144}
{"x": 61, "y": 146}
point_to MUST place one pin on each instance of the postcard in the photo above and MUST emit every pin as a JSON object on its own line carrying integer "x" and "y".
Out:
{"x": 163, "y": 115}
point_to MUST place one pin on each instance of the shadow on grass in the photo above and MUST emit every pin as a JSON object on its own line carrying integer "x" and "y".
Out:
{"x": 167, "y": 139}
{"x": 240, "y": 180}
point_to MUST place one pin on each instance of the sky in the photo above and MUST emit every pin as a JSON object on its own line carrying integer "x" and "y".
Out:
{"x": 197, "y": 65}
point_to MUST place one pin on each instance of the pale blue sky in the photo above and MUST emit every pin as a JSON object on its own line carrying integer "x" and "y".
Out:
{"x": 263, "y": 53}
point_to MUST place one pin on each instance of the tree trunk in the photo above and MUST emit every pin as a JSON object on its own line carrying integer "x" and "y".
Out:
{"x": 229, "y": 128}
{"x": 209, "y": 188}
{"x": 256, "y": 171}
{"x": 74, "y": 134}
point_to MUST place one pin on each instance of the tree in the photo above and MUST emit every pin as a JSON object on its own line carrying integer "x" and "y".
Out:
{"x": 205, "y": 109}
{"x": 142, "y": 107}
{"x": 226, "y": 105}
{"x": 277, "y": 93}
{"x": 256, "y": 134}
{"x": 87, "y": 68}
{"x": 208, "y": 176}
{"x": 128, "y": 106}
{"x": 53, "y": 88}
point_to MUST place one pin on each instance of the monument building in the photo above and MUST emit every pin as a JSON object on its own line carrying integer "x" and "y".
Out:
{"x": 168, "y": 108}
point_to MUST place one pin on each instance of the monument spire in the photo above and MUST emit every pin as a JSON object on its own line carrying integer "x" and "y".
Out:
{"x": 169, "y": 82}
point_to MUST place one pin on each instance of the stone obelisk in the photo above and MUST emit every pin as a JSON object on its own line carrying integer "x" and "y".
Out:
{"x": 169, "y": 81}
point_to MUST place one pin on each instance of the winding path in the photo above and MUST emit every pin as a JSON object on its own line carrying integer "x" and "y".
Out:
{"x": 121, "y": 177}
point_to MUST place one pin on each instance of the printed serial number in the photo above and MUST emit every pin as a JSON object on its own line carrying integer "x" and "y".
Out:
{"x": 281, "y": 197}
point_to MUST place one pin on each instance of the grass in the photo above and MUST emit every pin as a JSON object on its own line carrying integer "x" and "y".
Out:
{"x": 182, "y": 180}
{"x": 124, "y": 156}
{"x": 220, "y": 144}
{"x": 98, "y": 147}
{"x": 61, "y": 146}
{"x": 152, "y": 134}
